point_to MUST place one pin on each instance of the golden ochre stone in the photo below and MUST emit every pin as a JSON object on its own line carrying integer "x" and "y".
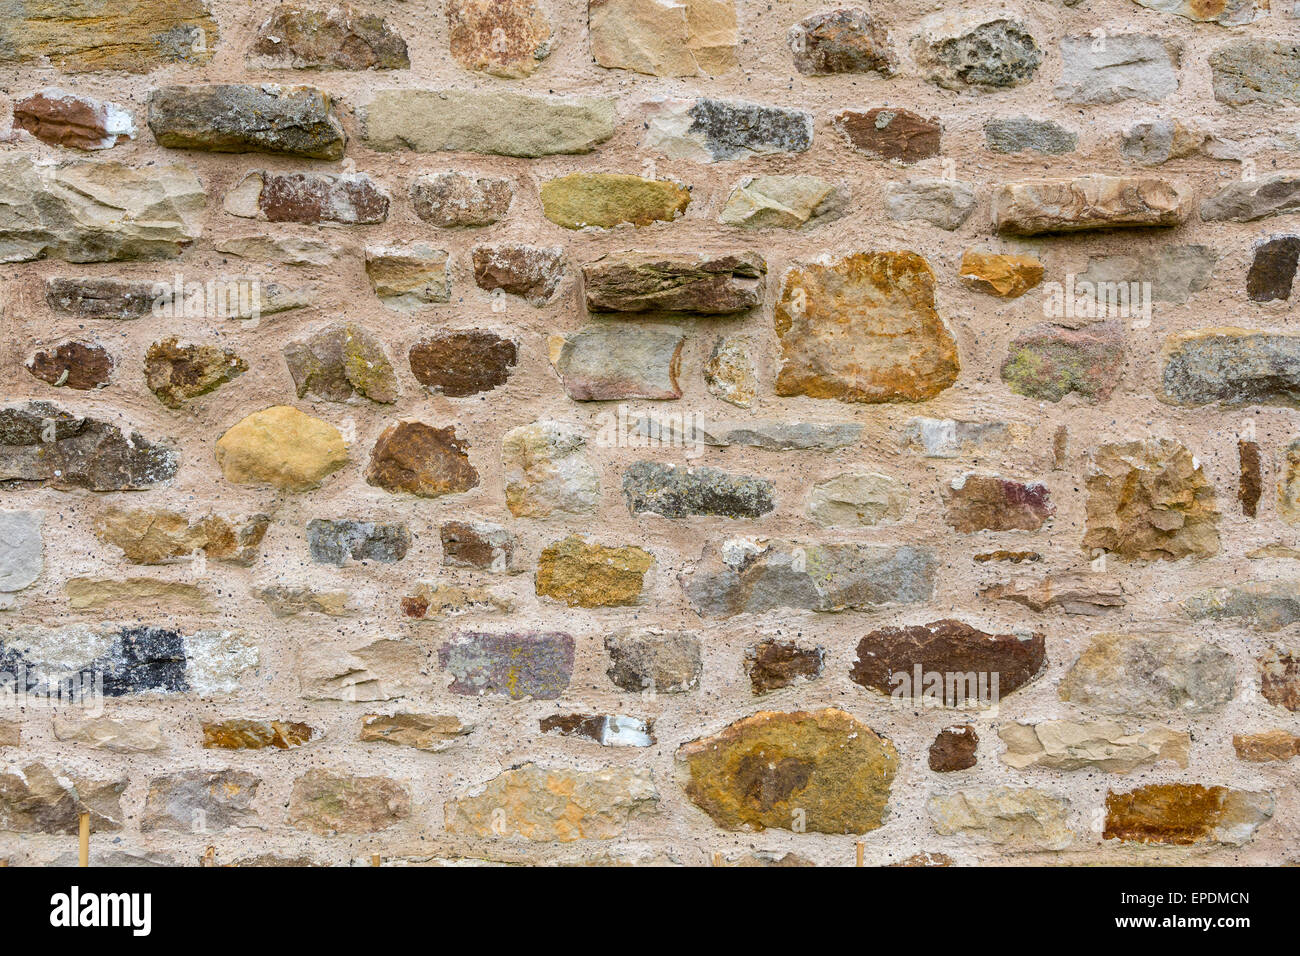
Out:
{"x": 824, "y": 772}
{"x": 592, "y": 575}
{"x": 1002, "y": 274}
{"x": 610, "y": 199}
{"x": 281, "y": 446}
{"x": 1186, "y": 813}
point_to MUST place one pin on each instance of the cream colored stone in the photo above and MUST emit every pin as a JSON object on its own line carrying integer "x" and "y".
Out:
{"x": 1103, "y": 745}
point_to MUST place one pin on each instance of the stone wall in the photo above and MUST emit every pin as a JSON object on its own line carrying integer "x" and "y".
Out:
{"x": 650, "y": 432}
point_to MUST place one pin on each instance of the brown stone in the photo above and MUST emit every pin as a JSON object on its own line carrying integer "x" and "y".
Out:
{"x": 341, "y": 362}
{"x": 532, "y": 272}
{"x": 821, "y": 772}
{"x": 891, "y": 133}
{"x": 1183, "y": 814}
{"x": 772, "y": 664}
{"x": 463, "y": 363}
{"x": 507, "y": 38}
{"x": 327, "y": 802}
{"x": 78, "y": 365}
{"x": 256, "y": 734}
{"x": 333, "y": 37}
{"x": 177, "y": 373}
{"x": 1078, "y": 592}
{"x": 1267, "y": 746}
{"x": 477, "y": 544}
{"x": 926, "y": 859}
{"x": 954, "y": 749}
{"x": 422, "y": 460}
{"x": 155, "y": 535}
{"x": 1250, "y": 484}
{"x": 451, "y": 199}
{"x": 701, "y": 284}
{"x": 1015, "y": 557}
{"x": 311, "y": 198}
{"x": 95, "y": 297}
{"x": 864, "y": 329}
{"x": 605, "y": 729}
{"x": 37, "y": 799}
{"x": 1279, "y": 678}
{"x": 592, "y": 575}
{"x": 958, "y": 665}
{"x": 1034, "y": 206}
{"x": 841, "y": 41}
{"x": 60, "y": 118}
{"x": 431, "y": 732}
{"x": 989, "y": 503}
{"x": 1005, "y": 275}
{"x": 10, "y": 733}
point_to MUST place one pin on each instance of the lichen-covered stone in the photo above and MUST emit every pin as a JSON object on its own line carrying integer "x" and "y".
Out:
{"x": 326, "y": 802}
{"x": 334, "y": 542}
{"x": 820, "y": 772}
{"x": 35, "y": 798}
{"x": 773, "y": 664}
{"x": 945, "y": 203}
{"x": 857, "y": 499}
{"x": 1274, "y": 194}
{"x": 457, "y": 364}
{"x": 1021, "y": 134}
{"x": 891, "y": 133}
{"x": 1030, "y": 207}
{"x": 701, "y": 284}
{"x": 954, "y": 749}
{"x": 178, "y": 373}
{"x": 605, "y": 200}
{"x": 1249, "y": 71}
{"x": 960, "y": 49}
{"x": 97, "y": 297}
{"x": 990, "y": 503}
{"x": 686, "y": 38}
{"x": 421, "y": 460}
{"x": 535, "y": 664}
{"x": 453, "y": 199}
{"x": 864, "y": 329}
{"x": 1098, "y": 745}
{"x": 506, "y": 38}
{"x": 235, "y": 118}
{"x": 340, "y": 362}
{"x": 1048, "y": 361}
{"x": 1266, "y": 605}
{"x": 841, "y": 41}
{"x": 409, "y": 275}
{"x": 1149, "y": 500}
{"x": 77, "y": 365}
{"x": 1231, "y": 367}
{"x": 1122, "y": 67}
{"x": 1272, "y": 269}
{"x": 157, "y": 535}
{"x": 613, "y": 362}
{"x": 711, "y": 131}
{"x": 1005, "y": 275}
{"x": 334, "y": 37}
{"x": 655, "y": 488}
{"x": 310, "y": 198}
{"x": 1184, "y": 814}
{"x": 1150, "y": 674}
{"x": 546, "y": 470}
{"x": 531, "y": 272}
{"x": 585, "y": 574}
{"x": 429, "y": 732}
{"x": 654, "y": 661}
{"x": 201, "y": 801}
{"x": 237, "y": 734}
{"x": 784, "y": 202}
{"x": 282, "y": 447}
{"x": 60, "y": 118}
{"x": 1019, "y": 819}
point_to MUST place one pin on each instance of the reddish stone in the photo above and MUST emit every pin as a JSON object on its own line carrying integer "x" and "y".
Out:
{"x": 989, "y": 503}
{"x": 457, "y": 364}
{"x": 78, "y": 122}
{"x": 774, "y": 664}
{"x": 528, "y": 271}
{"x": 891, "y": 133}
{"x": 954, "y": 749}
{"x": 422, "y": 460}
{"x": 1279, "y": 679}
{"x": 75, "y": 364}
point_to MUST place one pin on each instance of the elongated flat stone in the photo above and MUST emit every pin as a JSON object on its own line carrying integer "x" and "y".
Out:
{"x": 992, "y": 503}
{"x": 1232, "y": 367}
{"x": 673, "y": 492}
{"x": 515, "y": 665}
{"x": 1267, "y": 605}
{"x": 770, "y": 436}
{"x": 1150, "y": 674}
{"x": 61, "y": 118}
{"x": 1030, "y": 207}
{"x": 1249, "y": 199}
{"x": 40, "y": 442}
{"x": 1101, "y": 745}
{"x": 1184, "y": 814}
{"x": 605, "y": 200}
{"x": 232, "y": 118}
{"x": 610, "y": 362}
{"x": 710, "y": 131}
{"x": 701, "y": 284}
{"x": 347, "y": 198}
{"x": 94, "y": 297}
{"x": 1128, "y": 66}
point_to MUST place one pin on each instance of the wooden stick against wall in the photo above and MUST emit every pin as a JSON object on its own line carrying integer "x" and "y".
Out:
{"x": 862, "y": 850}
{"x": 374, "y": 859}
{"x": 83, "y": 850}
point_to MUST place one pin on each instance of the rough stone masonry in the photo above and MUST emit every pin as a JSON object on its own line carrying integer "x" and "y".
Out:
{"x": 655, "y": 432}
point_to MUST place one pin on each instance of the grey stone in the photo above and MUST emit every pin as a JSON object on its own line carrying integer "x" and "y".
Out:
{"x": 1158, "y": 141}
{"x": 770, "y": 436}
{"x": 1248, "y": 199}
{"x": 944, "y": 203}
{"x": 1232, "y": 367}
{"x": 452, "y": 199}
{"x": 1109, "y": 69}
{"x": 708, "y": 130}
{"x": 611, "y": 362}
{"x": 948, "y": 438}
{"x": 1150, "y": 674}
{"x": 340, "y": 362}
{"x": 286, "y": 250}
{"x": 1256, "y": 71}
{"x": 21, "y": 549}
{"x": 334, "y": 542}
{"x": 236, "y": 118}
{"x": 516, "y": 665}
{"x": 1266, "y": 605}
{"x": 1230, "y": 13}
{"x": 91, "y": 297}
{"x": 676, "y": 492}
{"x": 1176, "y": 273}
{"x": 201, "y": 801}
{"x": 857, "y": 500}
{"x": 36, "y": 798}
{"x": 1021, "y": 134}
{"x": 972, "y": 48}
{"x": 654, "y": 661}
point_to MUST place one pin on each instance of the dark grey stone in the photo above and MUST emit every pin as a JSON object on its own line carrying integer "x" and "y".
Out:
{"x": 1021, "y": 134}
{"x": 334, "y": 542}
{"x": 237, "y": 118}
{"x": 680, "y": 492}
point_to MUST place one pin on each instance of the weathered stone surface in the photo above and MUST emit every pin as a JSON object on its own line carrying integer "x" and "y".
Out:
{"x": 36, "y": 798}
{"x": 409, "y": 275}
{"x": 1288, "y": 486}
{"x": 784, "y": 202}
{"x": 1266, "y": 605}
{"x": 1031, "y": 207}
{"x": 201, "y": 801}
{"x": 1006, "y": 275}
{"x": 506, "y": 38}
{"x": 431, "y": 600}
{"x": 40, "y": 442}
{"x": 1184, "y": 814}
{"x": 478, "y": 544}
{"x": 21, "y": 547}
{"x": 1021, "y": 134}
{"x": 546, "y": 471}
{"x": 742, "y": 577}
{"x": 583, "y": 574}
{"x": 554, "y": 805}
{"x": 341, "y": 362}
{"x": 1267, "y": 746}
{"x": 114, "y": 734}
{"x": 239, "y": 734}
{"x": 157, "y": 535}
{"x": 283, "y": 447}
{"x": 925, "y": 859}
{"x": 1250, "y": 71}
{"x": 769, "y": 436}
{"x": 61, "y": 118}
{"x": 700, "y": 284}
{"x": 10, "y": 733}
{"x": 91, "y": 297}
{"x": 1250, "y": 483}
{"x": 379, "y": 670}
{"x": 78, "y": 365}
{"x": 891, "y": 133}
{"x": 1279, "y": 678}
{"x": 1150, "y": 674}
{"x": 864, "y": 329}
{"x": 422, "y": 460}
{"x": 457, "y": 364}
{"x": 664, "y": 489}
{"x": 334, "y": 542}
{"x": 96, "y": 212}
{"x": 948, "y": 438}
{"x": 686, "y": 38}
{"x": 841, "y": 41}
{"x": 509, "y": 124}
{"x": 954, "y": 749}
{"x": 1019, "y": 819}
{"x": 654, "y": 661}
{"x": 947, "y": 663}
{"x": 234, "y": 118}
{"x": 773, "y": 664}
{"x": 612, "y": 362}
{"x": 531, "y": 272}
{"x": 856, "y": 499}
{"x": 288, "y": 601}
{"x": 431, "y": 732}
{"x": 729, "y": 373}
{"x": 1100, "y": 745}
{"x": 1272, "y": 269}
{"x": 710, "y": 131}
{"x": 177, "y": 373}
{"x": 1073, "y": 592}
{"x": 1175, "y": 273}
{"x": 533, "y": 664}
{"x": 334, "y": 37}
{"x": 1048, "y": 361}
{"x": 133, "y": 36}
{"x": 945, "y": 203}
{"x": 608, "y": 730}
{"x": 325, "y": 802}
{"x": 311, "y": 198}
{"x": 1227, "y": 12}
{"x": 990, "y": 503}
{"x": 1275, "y": 194}
{"x": 451, "y": 199}
{"x": 87, "y": 594}
{"x": 1158, "y": 141}
{"x": 1150, "y": 501}
{"x": 605, "y": 200}
{"x": 1128, "y": 66}
{"x": 286, "y": 250}
{"x": 960, "y": 49}
{"x": 1231, "y": 367}
{"x": 824, "y": 771}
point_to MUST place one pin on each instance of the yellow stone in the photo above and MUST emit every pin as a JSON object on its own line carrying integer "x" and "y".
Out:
{"x": 1002, "y": 274}
{"x": 281, "y": 446}
{"x": 592, "y": 575}
{"x": 611, "y": 199}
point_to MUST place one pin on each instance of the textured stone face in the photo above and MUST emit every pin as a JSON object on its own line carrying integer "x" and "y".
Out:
{"x": 230, "y": 118}
{"x": 1232, "y": 367}
{"x": 1129, "y": 66}
{"x": 710, "y": 131}
{"x": 1184, "y": 814}
{"x": 654, "y": 488}
{"x": 1021, "y": 134}
{"x": 156, "y": 535}
{"x": 741, "y": 577}
{"x": 451, "y": 199}
{"x": 940, "y": 202}
{"x": 286, "y": 250}
{"x": 311, "y": 198}
{"x": 604, "y": 200}
{"x": 21, "y": 549}
{"x": 948, "y": 438}
{"x": 334, "y": 542}
{"x": 478, "y": 544}
{"x": 178, "y": 373}
{"x": 90, "y": 297}
{"x": 431, "y": 732}
{"x": 257, "y": 734}
{"x": 327, "y": 802}
{"x": 1250, "y": 485}
{"x": 40, "y": 442}
{"x": 1279, "y": 678}
{"x": 421, "y": 460}
{"x": 703, "y": 284}
{"x": 1273, "y": 268}
{"x": 509, "y": 124}
{"x": 408, "y": 276}
{"x": 1267, "y": 746}
{"x": 864, "y": 329}
{"x": 729, "y": 372}
{"x": 35, "y": 798}
{"x": 292, "y": 601}
{"x": 1150, "y": 674}
{"x": 1082, "y": 592}
{"x": 283, "y": 447}
{"x": 857, "y": 499}
{"x": 134, "y": 36}
{"x": 973, "y": 667}
{"x": 1019, "y": 819}
{"x": 339, "y": 363}
{"x": 1256, "y": 71}
{"x": 1246, "y": 200}
{"x": 506, "y": 38}
{"x": 783, "y": 202}
{"x": 990, "y": 503}
{"x": 972, "y": 49}
{"x": 1101, "y": 745}
{"x": 954, "y": 749}
{"x": 1226, "y": 12}
{"x": 841, "y": 41}
{"x": 532, "y": 272}
{"x": 583, "y": 574}
{"x": 656, "y": 661}
{"x": 1032, "y": 207}
{"x": 59, "y": 118}
{"x": 1175, "y": 273}
{"x": 1158, "y": 141}
{"x": 1049, "y": 361}
{"x": 336, "y": 37}
{"x": 1150, "y": 501}
{"x": 77, "y": 365}
{"x": 1006, "y": 275}
{"x": 547, "y": 471}
{"x": 690, "y": 38}
{"x": 1267, "y": 605}
{"x": 611, "y": 362}
{"x": 554, "y": 805}
{"x": 201, "y": 801}
{"x": 113, "y": 734}
{"x": 774, "y": 664}
{"x": 514, "y": 665}
{"x": 823, "y": 770}
{"x": 891, "y": 133}
{"x": 378, "y": 670}
{"x": 457, "y": 364}
{"x": 1288, "y": 486}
